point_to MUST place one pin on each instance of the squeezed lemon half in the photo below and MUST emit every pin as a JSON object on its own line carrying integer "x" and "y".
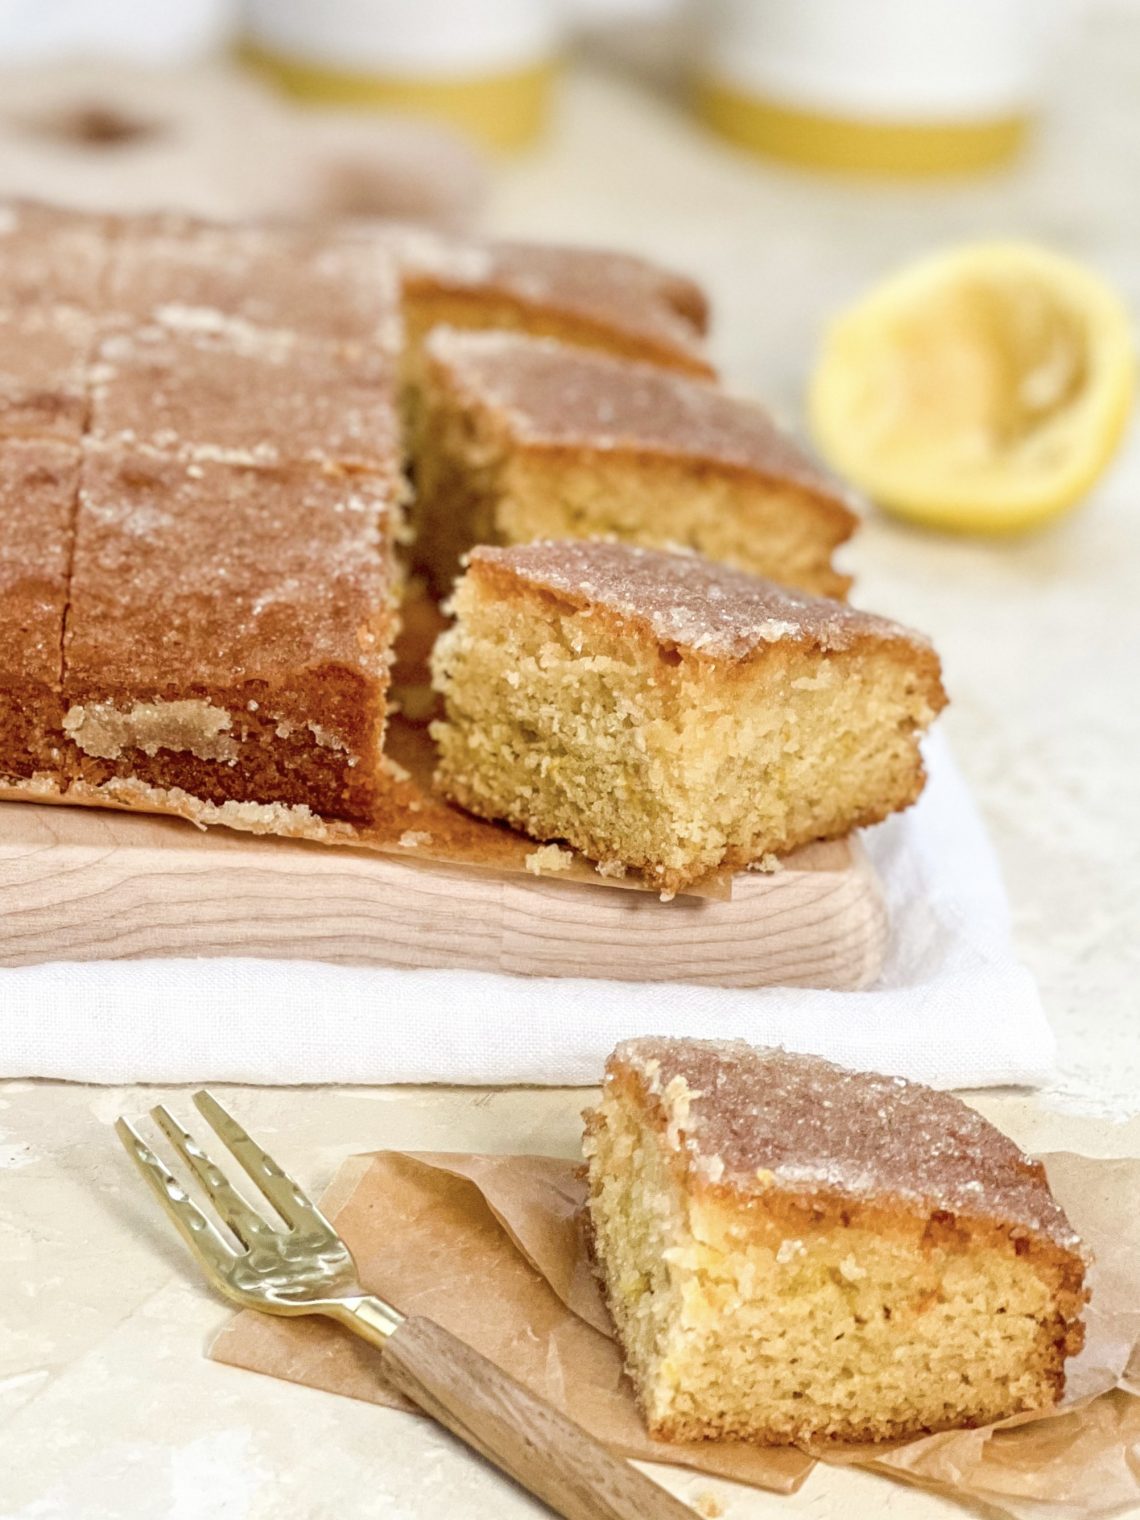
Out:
{"x": 982, "y": 389}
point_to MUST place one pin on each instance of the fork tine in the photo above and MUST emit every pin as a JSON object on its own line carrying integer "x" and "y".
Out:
{"x": 283, "y": 1193}
{"x": 197, "y": 1231}
{"x": 245, "y": 1222}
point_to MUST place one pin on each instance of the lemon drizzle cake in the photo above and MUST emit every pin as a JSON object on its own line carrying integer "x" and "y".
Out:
{"x": 522, "y": 438}
{"x": 659, "y": 712}
{"x": 793, "y": 1252}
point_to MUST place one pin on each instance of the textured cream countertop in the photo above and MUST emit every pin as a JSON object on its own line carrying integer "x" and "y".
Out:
{"x": 107, "y": 1408}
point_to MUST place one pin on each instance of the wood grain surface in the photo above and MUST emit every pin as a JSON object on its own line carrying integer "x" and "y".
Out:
{"x": 520, "y": 1433}
{"x": 84, "y": 884}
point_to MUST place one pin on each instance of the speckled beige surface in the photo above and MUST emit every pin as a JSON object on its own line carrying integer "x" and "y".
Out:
{"x": 107, "y": 1408}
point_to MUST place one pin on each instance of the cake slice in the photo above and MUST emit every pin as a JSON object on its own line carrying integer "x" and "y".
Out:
{"x": 39, "y": 481}
{"x": 338, "y": 288}
{"x": 208, "y": 386}
{"x": 228, "y": 635}
{"x": 796, "y": 1253}
{"x": 524, "y": 438}
{"x": 610, "y": 301}
{"x": 662, "y": 713}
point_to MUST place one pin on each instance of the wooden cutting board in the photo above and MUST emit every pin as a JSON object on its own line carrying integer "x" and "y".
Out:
{"x": 84, "y": 884}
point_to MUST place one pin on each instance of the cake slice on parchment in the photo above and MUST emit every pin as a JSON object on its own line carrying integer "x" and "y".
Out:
{"x": 523, "y": 438}
{"x": 661, "y": 713}
{"x": 792, "y": 1252}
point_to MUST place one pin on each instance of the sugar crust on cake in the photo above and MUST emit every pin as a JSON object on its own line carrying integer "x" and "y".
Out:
{"x": 748, "y": 1120}
{"x": 685, "y": 602}
{"x": 550, "y": 394}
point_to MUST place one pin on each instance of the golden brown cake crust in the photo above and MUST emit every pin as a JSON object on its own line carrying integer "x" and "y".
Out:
{"x": 215, "y": 569}
{"x": 204, "y": 386}
{"x": 750, "y": 1120}
{"x": 337, "y": 288}
{"x": 52, "y": 257}
{"x": 687, "y": 604}
{"x": 551, "y": 396}
{"x": 44, "y": 354}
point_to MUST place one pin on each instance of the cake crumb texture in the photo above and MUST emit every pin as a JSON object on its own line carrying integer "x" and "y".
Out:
{"x": 793, "y": 1252}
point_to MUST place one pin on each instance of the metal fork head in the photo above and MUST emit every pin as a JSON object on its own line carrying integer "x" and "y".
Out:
{"x": 297, "y": 1266}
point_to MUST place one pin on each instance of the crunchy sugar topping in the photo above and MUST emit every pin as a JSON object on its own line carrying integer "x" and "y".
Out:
{"x": 551, "y": 394}
{"x": 764, "y": 1118}
{"x": 611, "y": 290}
{"x": 203, "y": 277}
{"x": 104, "y": 730}
{"x": 685, "y": 602}
{"x": 226, "y": 573}
{"x": 547, "y": 858}
{"x": 244, "y": 395}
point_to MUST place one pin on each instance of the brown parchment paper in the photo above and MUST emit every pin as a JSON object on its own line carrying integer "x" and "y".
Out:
{"x": 490, "y": 1246}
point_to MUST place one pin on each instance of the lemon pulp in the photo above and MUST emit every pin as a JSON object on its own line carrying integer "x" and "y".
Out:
{"x": 982, "y": 389}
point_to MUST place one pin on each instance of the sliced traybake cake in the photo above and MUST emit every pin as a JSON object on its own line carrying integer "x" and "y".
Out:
{"x": 202, "y": 576}
{"x": 794, "y": 1252}
{"x": 202, "y": 464}
{"x": 661, "y": 713}
{"x": 523, "y": 438}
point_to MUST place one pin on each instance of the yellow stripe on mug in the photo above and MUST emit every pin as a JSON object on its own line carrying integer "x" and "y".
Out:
{"x": 485, "y": 67}
{"x": 877, "y": 86}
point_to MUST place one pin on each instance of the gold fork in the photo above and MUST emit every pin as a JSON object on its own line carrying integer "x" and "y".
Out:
{"x": 306, "y": 1268}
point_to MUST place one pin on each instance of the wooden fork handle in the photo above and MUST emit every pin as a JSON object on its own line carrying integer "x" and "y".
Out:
{"x": 521, "y": 1434}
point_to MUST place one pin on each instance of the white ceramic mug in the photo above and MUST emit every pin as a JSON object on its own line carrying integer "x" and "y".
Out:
{"x": 948, "y": 72}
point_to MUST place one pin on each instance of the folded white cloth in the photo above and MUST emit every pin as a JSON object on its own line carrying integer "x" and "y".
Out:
{"x": 953, "y": 1007}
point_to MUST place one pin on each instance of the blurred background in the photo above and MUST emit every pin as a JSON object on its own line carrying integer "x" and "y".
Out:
{"x": 790, "y": 154}
{"x": 757, "y": 142}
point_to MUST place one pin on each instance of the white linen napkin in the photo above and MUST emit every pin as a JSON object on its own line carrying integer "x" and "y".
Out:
{"x": 953, "y": 1007}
